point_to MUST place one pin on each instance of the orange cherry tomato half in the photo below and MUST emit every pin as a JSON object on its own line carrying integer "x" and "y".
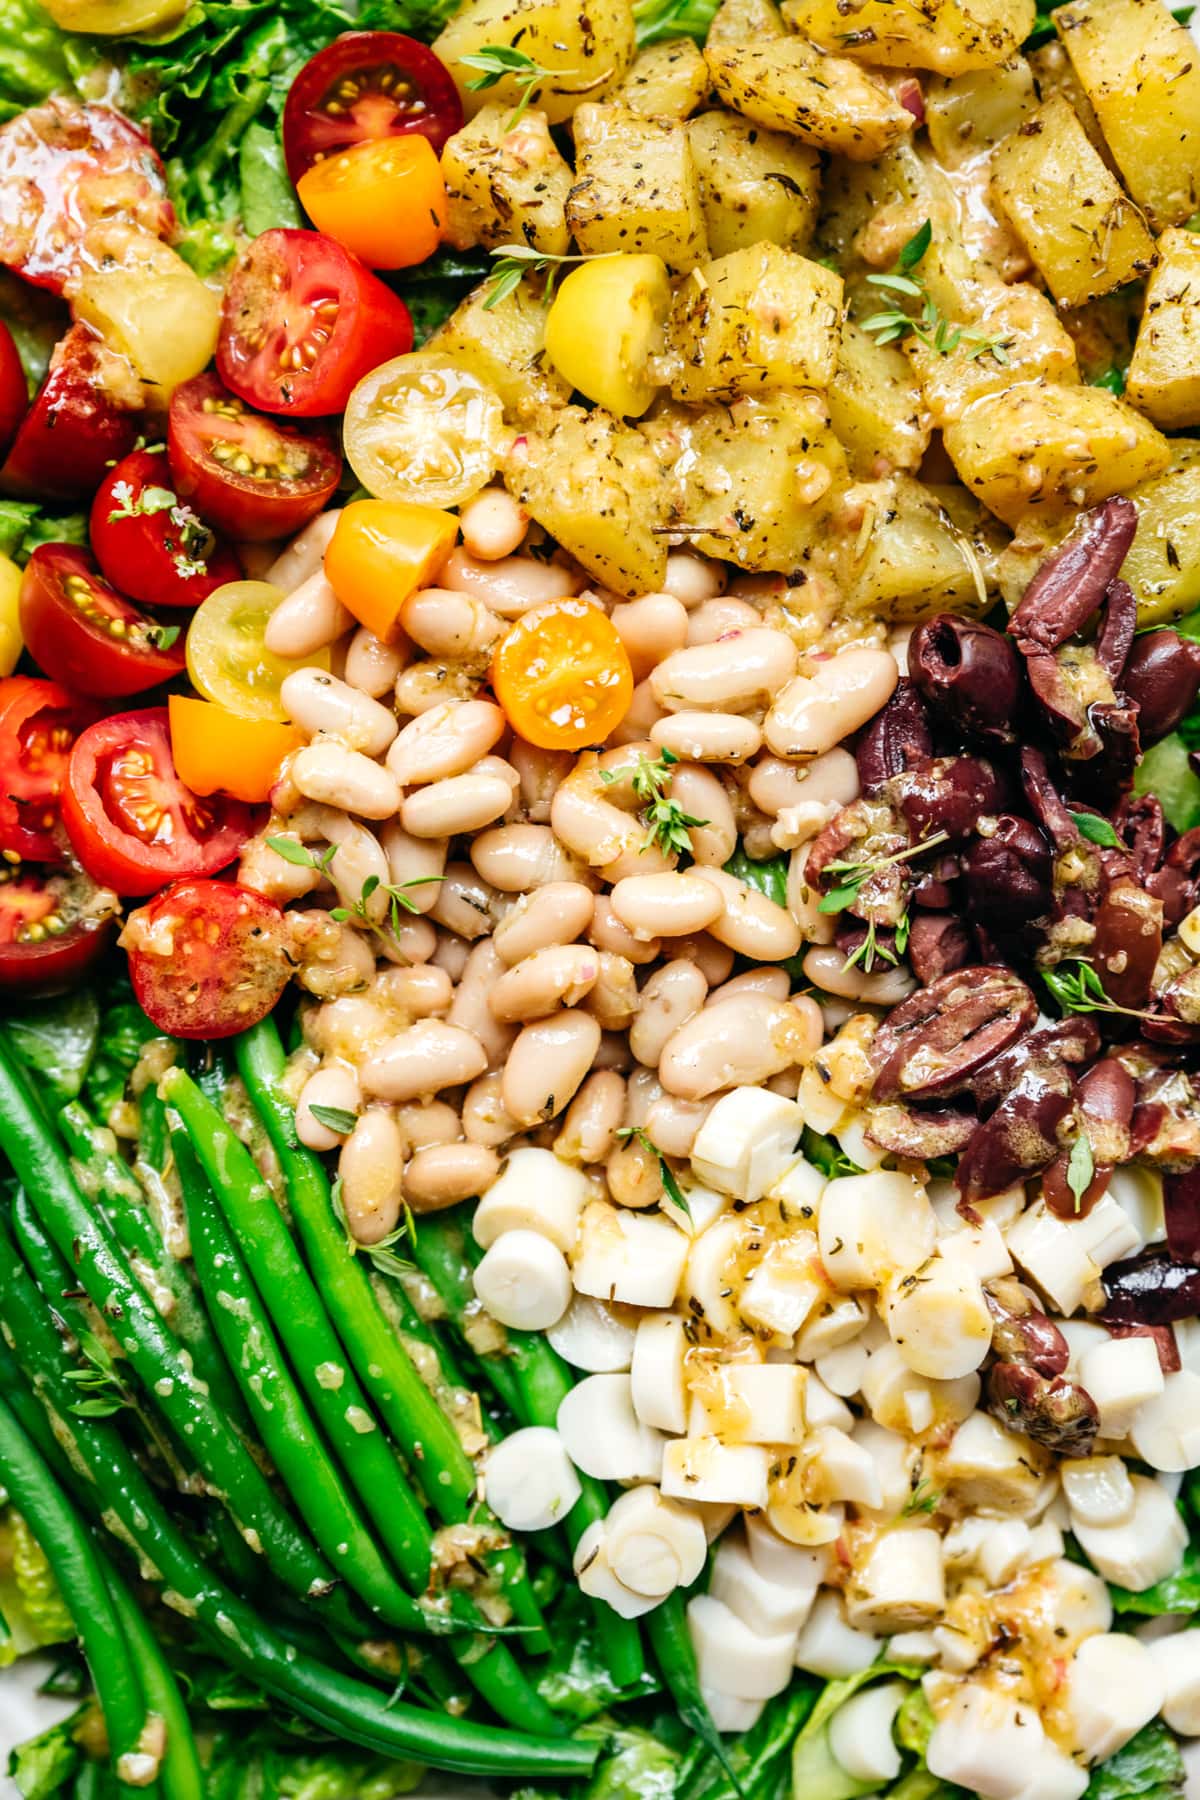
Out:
{"x": 216, "y": 752}
{"x": 562, "y": 676}
{"x": 385, "y": 200}
{"x": 382, "y": 551}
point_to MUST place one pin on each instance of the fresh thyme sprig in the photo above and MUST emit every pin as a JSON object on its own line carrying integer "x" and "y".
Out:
{"x": 338, "y": 1119}
{"x": 301, "y": 855}
{"x": 671, "y": 1187}
{"x": 398, "y": 901}
{"x": 381, "y": 1255}
{"x": 855, "y": 873}
{"x": 668, "y": 826}
{"x": 1081, "y": 990}
{"x": 930, "y": 325}
{"x": 103, "y": 1391}
{"x": 1081, "y": 1167}
{"x": 518, "y": 260}
{"x": 924, "y": 1498}
{"x": 495, "y": 61}
{"x": 871, "y": 950}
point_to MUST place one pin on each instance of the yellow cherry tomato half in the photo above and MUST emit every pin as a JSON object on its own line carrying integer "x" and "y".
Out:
{"x": 227, "y": 656}
{"x": 10, "y": 615}
{"x": 384, "y": 200}
{"x": 604, "y": 327}
{"x": 215, "y": 752}
{"x": 562, "y": 675}
{"x": 421, "y": 428}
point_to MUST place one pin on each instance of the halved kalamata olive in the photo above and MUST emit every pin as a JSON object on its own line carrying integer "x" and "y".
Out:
{"x": 1115, "y": 635}
{"x": 938, "y": 943}
{"x": 1152, "y": 1289}
{"x": 1104, "y": 1099}
{"x": 968, "y": 674}
{"x": 1019, "y": 1138}
{"x": 1138, "y": 819}
{"x": 1008, "y": 873}
{"x": 1165, "y": 1342}
{"x": 1061, "y": 709}
{"x": 1177, "y": 882}
{"x": 1102, "y": 777}
{"x": 1022, "y": 1333}
{"x": 897, "y": 738}
{"x": 1165, "y": 1128}
{"x": 920, "y": 1134}
{"x": 1055, "y": 1412}
{"x": 1072, "y": 1040}
{"x": 1161, "y": 678}
{"x": 947, "y": 794}
{"x": 1072, "y": 582}
{"x": 1129, "y": 935}
{"x": 1181, "y": 1210}
{"x": 933, "y": 1042}
{"x": 1044, "y": 800}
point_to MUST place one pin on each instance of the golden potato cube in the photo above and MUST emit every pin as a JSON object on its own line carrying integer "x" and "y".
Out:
{"x": 588, "y": 51}
{"x": 828, "y": 101}
{"x": 967, "y": 114}
{"x": 1139, "y": 68}
{"x": 919, "y": 551}
{"x": 1029, "y": 341}
{"x": 596, "y": 486}
{"x": 506, "y": 187}
{"x": 760, "y": 318}
{"x": 1052, "y": 447}
{"x": 504, "y": 346}
{"x": 951, "y": 37}
{"x": 1084, "y": 236}
{"x": 875, "y": 406}
{"x": 745, "y": 22}
{"x": 668, "y": 80}
{"x": 756, "y": 185}
{"x": 1163, "y": 564}
{"x": 1164, "y": 375}
{"x": 635, "y": 188}
{"x": 1053, "y": 74}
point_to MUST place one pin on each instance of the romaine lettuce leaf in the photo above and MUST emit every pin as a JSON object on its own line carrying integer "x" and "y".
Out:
{"x": 36, "y": 58}
{"x": 1149, "y": 1767}
{"x": 30, "y": 1603}
{"x": 24, "y": 525}
{"x": 42, "y": 1766}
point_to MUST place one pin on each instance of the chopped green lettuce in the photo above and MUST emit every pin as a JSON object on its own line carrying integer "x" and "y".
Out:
{"x": 36, "y": 58}
{"x": 56, "y": 1040}
{"x": 24, "y": 525}
{"x": 1149, "y": 1767}
{"x": 43, "y": 1765}
{"x": 30, "y": 1603}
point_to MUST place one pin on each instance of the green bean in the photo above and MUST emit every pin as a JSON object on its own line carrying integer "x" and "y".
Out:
{"x": 440, "y": 1258}
{"x": 180, "y": 1774}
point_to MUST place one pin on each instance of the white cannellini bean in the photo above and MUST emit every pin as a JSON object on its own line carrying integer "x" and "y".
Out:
{"x": 471, "y": 1008}
{"x": 484, "y": 1118}
{"x": 414, "y": 864}
{"x": 613, "y": 1000}
{"x": 547, "y": 1065}
{"x": 672, "y": 1124}
{"x": 741, "y": 670}
{"x": 608, "y": 933}
{"x": 463, "y": 903}
{"x": 713, "y": 960}
{"x": 430, "y": 1055}
{"x": 528, "y": 1479}
{"x": 554, "y": 914}
{"x": 492, "y": 524}
{"x": 740, "y": 1043}
{"x": 307, "y": 620}
{"x": 304, "y": 555}
{"x": 751, "y": 924}
{"x": 829, "y": 780}
{"x": 455, "y": 806}
{"x": 692, "y": 579}
{"x": 448, "y": 624}
{"x": 447, "y": 739}
{"x": 440, "y": 1175}
{"x": 510, "y": 585}
{"x": 524, "y": 1281}
{"x": 714, "y": 619}
{"x": 559, "y": 975}
{"x": 589, "y": 1130}
{"x": 668, "y": 905}
{"x": 517, "y": 858}
{"x": 334, "y": 776}
{"x": 320, "y": 703}
{"x": 673, "y": 994}
{"x": 419, "y": 992}
{"x": 369, "y": 1168}
{"x": 707, "y": 737}
{"x": 650, "y": 629}
{"x": 826, "y": 968}
{"x": 813, "y": 713}
{"x": 541, "y": 772}
{"x": 371, "y": 665}
{"x": 335, "y": 1086}
{"x": 702, "y": 795}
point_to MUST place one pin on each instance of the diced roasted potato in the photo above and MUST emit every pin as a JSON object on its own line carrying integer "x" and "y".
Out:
{"x": 506, "y": 187}
{"x": 503, "y": 345}
{"x": 909, "y": 551}
{"x": 1083, "y": 234}
{"x": 1139, "y": 68}
{"x": 1053, "y": 74}
{"x": 1052, "y": 447}
{"x": 828, "y": 101}
{"x": 1027, "y": 340}
{"x": 762, "y": 318}
{"x": 596, "y": 486}
{"x": 745, "y": 22}
{"x": 1164, "y": 376}
{"x": 668, "y": 80}
{"x": 635, "y": 187}
{"x": 875, "y": 406}
{"x": 759, "y": 474}
{"x": 967, "y": 114}
{"x": 869, "y": 211}
{"x": 951, "y": 36}
{"x": 588, "y": 51}
{"x": 1163, "y": 565}
{"x": 756, "y": 186}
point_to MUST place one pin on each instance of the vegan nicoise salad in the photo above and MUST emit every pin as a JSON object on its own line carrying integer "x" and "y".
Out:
{"x": 600, "y": 898}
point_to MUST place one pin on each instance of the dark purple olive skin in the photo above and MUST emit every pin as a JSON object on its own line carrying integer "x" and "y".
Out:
{"x": 897, "y": 738}
{"x": 968, "y": 675}
{"x": 1019, "y": 1138}
{"x": 947, "y": 793}
{"x": 1069, "y": 1041}
{"x": 1139, "y": 821}
{"x": 1151, "y": 1290}
{"x": 937, "y": 943}
{"x": 1181, "y": 1209}
{"x": 1008, "y": 874}
{"x": 1115, "y": 636}
{"x": 1052, "y": 1411}
{"x": 1030, "y": 1337}
{"x": 1161, "y": 678}
{"x": 1072, "y": 583}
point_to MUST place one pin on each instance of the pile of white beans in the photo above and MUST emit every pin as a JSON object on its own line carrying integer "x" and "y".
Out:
{"x": 557, "y": 982}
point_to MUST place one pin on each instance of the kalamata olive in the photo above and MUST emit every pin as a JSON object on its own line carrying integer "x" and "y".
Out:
{"x": 851, "y": 939}
{"x": 1129, "y": 935}
{"x": 1177, "y": 882}
{"x": 1152, "y": 1289}
{"x": 1044, "y": 800}
{"x": 938, "y": 943}
{"x": 1019, "y": 1138}
{"x": 1181, "y": 1210}
{"x": 920, "y": 1133}
{"x": 1138, "y": 819}
{"x": 897, "y": 738}
{"x": 933, "y": 1042}
{"x": 1165, "y": 1128}
{"x": 1161, "y": 678}
{"x": 1072, "y": 582}
{"x": 947, "y": 794}
{"x": 1068, "y": 1041}
{"x": 1055, "y": 1412}
{"x": 1022, "y": 1333}
{"x": 1163, "y": 1336}
{"x": 1104, "y": 1100}
{"x": 968, "y": 674}
{"x": 1115, "y": 636}
{"x": 1008, "y": 873}
{"x": 1103, "y": 776}
{"x": 1058, "y": 704}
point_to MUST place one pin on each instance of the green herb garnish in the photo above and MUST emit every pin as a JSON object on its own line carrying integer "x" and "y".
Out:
{"x": 930, "y": 325}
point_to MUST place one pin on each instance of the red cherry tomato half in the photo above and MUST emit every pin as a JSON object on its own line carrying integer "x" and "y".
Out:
{"x": 149, "y": 542}
{"x": 39, "y": 722}
{"x": 367, "y": 84}
{"x": 303, "y": 321}
{"x": 83, "y": 419}
{"x": 14, "y": 391}
{"x": 251, "y": 476}
{"x": 132, "y": 823}
{"x": 87, "y": 635}
{"x": 53, "y": 926}
{"x": 65, "y": 168}
{"x": 207, "y": 958}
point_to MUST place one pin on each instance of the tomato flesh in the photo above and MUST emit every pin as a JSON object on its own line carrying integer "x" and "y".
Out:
{"x": 148, "y": 540}
{"x": 14, "y": 394}
{"x": 39, "y": 722}
{"x": 82, "y": 632}
{"x": 52, "y": 928}
{"x": 84, "y": 418}
{"x": 563, "y": 675}
{"x": 251, "y": 476}
{"x": 302, "y": 322}
{"x": 365, "y": 85}
{"x": 207, "y": 958}
{"x": 131, "y": 821}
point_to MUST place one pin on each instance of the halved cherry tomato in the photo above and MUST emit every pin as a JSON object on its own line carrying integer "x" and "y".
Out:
{"x": 85, "y": 634}
{"x": 39, "y": 722}
{"x": 250, "y": 475}
{"x": 131, "y": 821}
{"x": 65, "y": 167}
{"x": 385, "y": 201}
{"x": 149, "y": 542}
{"x": 227, "y": 653}
{"x": 83, "y": 419}
{"x": 14, "y": 390}
{"x": 302, "y": 322}
{"x": 381, "y": 552}
{"x": 207, "y": 958}
{"x": 218, "y": 752}
{"x": 562, "y": 675}
{"x": 367, "y": 84}
{"x": 53, "y": 926}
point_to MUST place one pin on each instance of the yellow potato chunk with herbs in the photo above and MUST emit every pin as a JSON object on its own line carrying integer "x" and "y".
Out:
{"x": 1084, "y": 236}
{"x": 604, "y": 326}
{"x": 596, "y": 486}
{"x": 587, "y": 51}
{"x": 968, "y": 114}
{"x": 1008, "y": 335}
{"x": 918, "y": 551}
{"x": 828, "y": 101}
{"x": 1163, "y": 564}
{"x": 1052, "y": 447}
{"x": 635, "y": 188}
{"x": 505, "y": 347}
{"x": 1164, "y": 375}
{"x": 762, "y": 318}
{"x": 1140, "y": 70}
{"x": 875, "y": 406}
{"x": 506, "y": 187}
{"x": 756, "y": 186}
{"x": 668, "y": 80}
{"x": 951, "y": 37}
{"x": 745, "y": 22}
